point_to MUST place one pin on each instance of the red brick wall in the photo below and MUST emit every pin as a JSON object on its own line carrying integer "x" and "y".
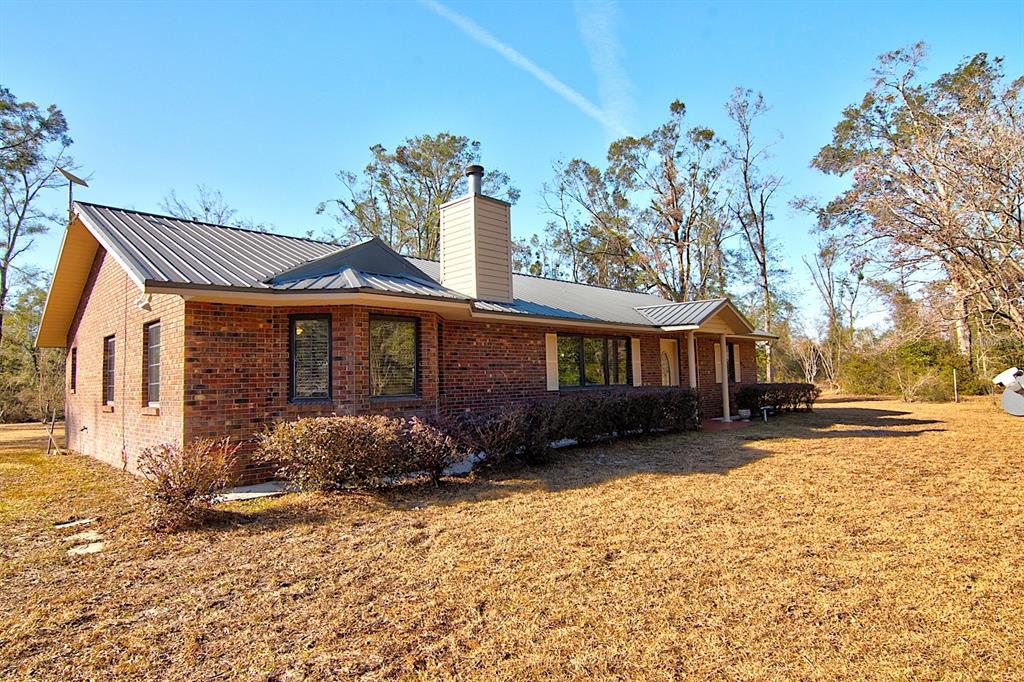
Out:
{"x": 224, "y": 368}
{"x": 485, "y": 365}
{"x": 107, "y": 308}
{"x": 237, "y": 372}
{"x": 710, "y": 391}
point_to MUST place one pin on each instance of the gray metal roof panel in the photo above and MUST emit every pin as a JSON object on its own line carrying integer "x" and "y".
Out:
{"x": 165, "y": 249}
{"x": 681, "y": 314}
{"x": 555, "y": 298}
{"x": 159, "y": 248}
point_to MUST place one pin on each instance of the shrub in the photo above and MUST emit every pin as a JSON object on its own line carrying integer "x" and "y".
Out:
{"x": 499, "y": 435}
{"x": 780, "y": 397}
{"x": 588, "y": 417}
{"x": 526, "y": 431}
{"x": 428, "y": 449}
{"x": 332, "y": 453}
{"x": 182, "y": 482}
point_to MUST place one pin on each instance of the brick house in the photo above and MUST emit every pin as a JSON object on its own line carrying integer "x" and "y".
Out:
{"x": 177, "y": 329}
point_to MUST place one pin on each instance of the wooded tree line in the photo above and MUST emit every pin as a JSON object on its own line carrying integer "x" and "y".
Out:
{"x": 930, "y": 228}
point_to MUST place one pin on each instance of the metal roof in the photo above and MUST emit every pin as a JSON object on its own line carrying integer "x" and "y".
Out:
{"x": 158, "y": 248}
{"x": 682, "y": 314}
{"x": 555, "y": 298}
{"x": 161, "y": 249}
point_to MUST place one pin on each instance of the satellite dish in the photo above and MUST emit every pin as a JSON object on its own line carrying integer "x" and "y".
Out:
{"x": 1013, "y": 395}
{"x": 72, "y": 181}
{"x": 72, "y": 177}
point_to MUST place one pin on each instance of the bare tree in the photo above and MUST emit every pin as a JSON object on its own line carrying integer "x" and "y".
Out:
{"x": 208, "y": 206}
{"x": 654, "y": 219}
{"x": 398, "y": 195}
{"x": 752, "y": 199}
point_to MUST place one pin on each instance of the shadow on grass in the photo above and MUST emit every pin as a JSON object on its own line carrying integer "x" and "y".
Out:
{"x": 677, "y": 454}
{"x": 570, "y": 468}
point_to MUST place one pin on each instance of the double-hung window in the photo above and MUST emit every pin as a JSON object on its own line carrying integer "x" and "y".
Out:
{"x": 593, "y": 361}
{"x": 394, "y": 356}
{"x": 310, "y": 353}
{"x": 151, "y": 364}
{"x": 109, "y": 372}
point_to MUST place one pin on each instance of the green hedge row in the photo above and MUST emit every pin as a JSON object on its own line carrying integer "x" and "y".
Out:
{"x": 330, "y": 453}
{"x": 781, "y": 397}
{"x": 528, "y": 430}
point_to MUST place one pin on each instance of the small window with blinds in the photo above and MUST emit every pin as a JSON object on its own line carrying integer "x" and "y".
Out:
{"x": 151, "y": 364}
{"x": 394, "y": 356}
{"x": 109, "y": 364}
{"x": 310, "y": 357}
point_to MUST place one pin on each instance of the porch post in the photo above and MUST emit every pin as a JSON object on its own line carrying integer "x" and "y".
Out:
{"x": 691, "y": 359}
{"x": 725, "y": 380}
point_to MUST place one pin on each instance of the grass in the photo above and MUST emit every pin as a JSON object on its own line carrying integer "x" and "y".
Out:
{"x": 868, "y": 540}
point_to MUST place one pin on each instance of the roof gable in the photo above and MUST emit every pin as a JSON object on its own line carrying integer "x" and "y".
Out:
{"x": 372, "y": 256}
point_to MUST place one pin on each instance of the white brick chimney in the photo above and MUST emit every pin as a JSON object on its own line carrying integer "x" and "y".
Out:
{"x": 476, "y": 244}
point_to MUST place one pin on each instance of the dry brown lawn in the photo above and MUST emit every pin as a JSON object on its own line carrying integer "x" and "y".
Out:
{"x": 869, "y": 540}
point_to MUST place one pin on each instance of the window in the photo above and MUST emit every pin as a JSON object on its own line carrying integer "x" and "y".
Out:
{"x": 733, "y": 352}
{"x": 310, "y": 357}
{"x": 569, "y": 357}
{"x": 74, "y": 369}
{"x": 669, "y": 362}
{"x": 733, "y": 363}
{"x": 109, "y": 356}
{"x": 393, "y": 356}
{"x": 151, "y": 364}
{"x": 592, "y": 361}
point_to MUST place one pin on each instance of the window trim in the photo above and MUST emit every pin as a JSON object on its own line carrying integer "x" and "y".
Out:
{"x": 583, "y": 385}
{"x": 415, "y": 395}
{"x": 73, "y": 361}
{"x": 113, "y": 370}
{"x": 147, "y": 361}
{"x": 292, "y": 319}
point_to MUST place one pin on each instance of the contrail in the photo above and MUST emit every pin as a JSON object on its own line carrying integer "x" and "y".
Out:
{"x": 598, "y": 22}
{"x": 477, "y": 33}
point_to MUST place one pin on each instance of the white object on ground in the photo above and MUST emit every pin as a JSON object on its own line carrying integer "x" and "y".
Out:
{"x": 72, "y": 524}
{"x": 1007, "y": 378}
{"x": 91, "y": 548}
{"x": 84, "y": 536}
{"x": 1013, "y": 396}
{"x": 252, "y": 492}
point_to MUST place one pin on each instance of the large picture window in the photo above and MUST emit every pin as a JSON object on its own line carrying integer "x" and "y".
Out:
{"x": 310, "y": 357}
{"x": 151, "y": 364}
{"x": 593, "y": 361}
{"x": 393, "y": 356}
{"x": 109, "y": 357}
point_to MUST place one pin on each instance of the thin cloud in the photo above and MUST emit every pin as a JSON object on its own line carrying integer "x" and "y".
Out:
{"x": 516, "y": 58}
{"x": 598, "y": 24}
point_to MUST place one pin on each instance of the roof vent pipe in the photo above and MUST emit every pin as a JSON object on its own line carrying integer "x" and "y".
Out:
{"x": 475, "y": 174}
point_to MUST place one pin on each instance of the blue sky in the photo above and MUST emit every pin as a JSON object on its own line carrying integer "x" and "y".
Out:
{"x": 266, "y": 101}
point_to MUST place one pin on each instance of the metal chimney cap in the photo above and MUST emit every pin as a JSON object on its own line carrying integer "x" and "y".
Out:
{"x": 475, "y": 174}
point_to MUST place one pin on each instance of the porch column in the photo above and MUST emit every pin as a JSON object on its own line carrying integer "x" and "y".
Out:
{"x": 691, "y": 359}
{"x": 725, "y": 380}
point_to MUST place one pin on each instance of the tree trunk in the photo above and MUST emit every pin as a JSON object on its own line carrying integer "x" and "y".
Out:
{"x": 767, "y": 320}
